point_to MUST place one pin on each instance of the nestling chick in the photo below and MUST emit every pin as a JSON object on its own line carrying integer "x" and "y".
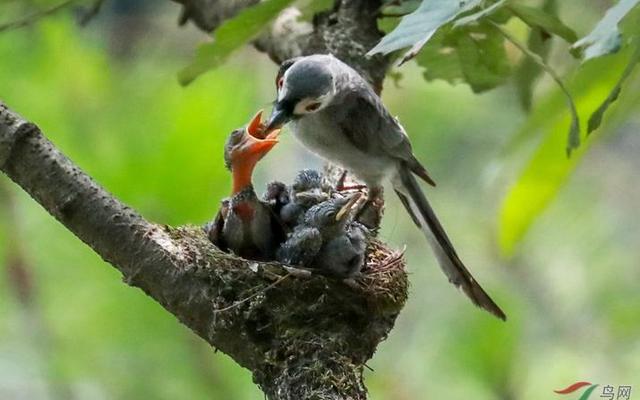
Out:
{"x": 328, "y": 240}
{"x": 245, "y": 224}
{"x": 301, "y": 247}
{"x": 307, "y": 190}
{"x": 276, "y": 196}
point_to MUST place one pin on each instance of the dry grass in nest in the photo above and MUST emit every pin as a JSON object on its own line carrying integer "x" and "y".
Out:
{"x": 384, "y": 276}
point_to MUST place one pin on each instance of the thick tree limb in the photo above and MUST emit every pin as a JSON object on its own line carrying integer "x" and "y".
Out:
{"x": 302, "y": 338}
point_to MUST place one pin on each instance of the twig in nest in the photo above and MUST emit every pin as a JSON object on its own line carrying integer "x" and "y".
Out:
{"x": 240, "y": 302}
{"x": 30, "y": 19}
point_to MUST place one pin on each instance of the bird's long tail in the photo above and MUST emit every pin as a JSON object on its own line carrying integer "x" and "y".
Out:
{"x": 422, "y": 214}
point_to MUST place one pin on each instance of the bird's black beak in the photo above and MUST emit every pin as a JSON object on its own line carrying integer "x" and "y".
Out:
{"x": 279, "y": 116}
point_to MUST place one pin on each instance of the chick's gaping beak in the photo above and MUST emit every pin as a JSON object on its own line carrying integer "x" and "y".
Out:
{"x": 259, "y": 147}
{"x": 279, "y": 116}
{"x": 346, "y": 209}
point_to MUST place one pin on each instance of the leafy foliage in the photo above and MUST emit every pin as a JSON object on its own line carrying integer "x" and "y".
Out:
{"x": 473, "y": 54}
{"x": 538, "y": 18}
{"x": 528, "y": 71}
{"x": 543, "y": 176}
{"x": 547, "y": 170}
{"x": 574, "y": 128}
{"x": 230, "y": 36}
{"x": 596, "y": 118}
{"x": 418, "y": 27}
{"x": 605, "y": 38}
{"x": 483, "y": 58}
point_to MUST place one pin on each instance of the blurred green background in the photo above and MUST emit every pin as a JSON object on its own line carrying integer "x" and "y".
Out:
{"x": 107, "y": 95}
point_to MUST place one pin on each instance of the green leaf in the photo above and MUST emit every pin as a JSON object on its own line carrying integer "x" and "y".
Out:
{"x": 480, "y": 14}
{"x": 230, "y": 36}
{"x": 440, "y": 60}
{"x": 538, "y": 18}
{"x": 418, "y": 27}
{"x": 473, "y": 54}
{"x": 596, "y": 118}
{"x": 605, "y": 38}
{"x": 547, "y": 170}
{"x": 483, "y": 58}
{"x": 528, "y": 70}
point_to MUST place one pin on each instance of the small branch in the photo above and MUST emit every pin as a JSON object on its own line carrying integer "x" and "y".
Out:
{"x": 574, "y": 131}
{"x": 91, "y": 12}
{"x": 35, "y": 17}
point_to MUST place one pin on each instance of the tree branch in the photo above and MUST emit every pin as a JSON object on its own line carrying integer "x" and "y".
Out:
{"x": 301, "y": 338}
{"x": 348, "y": 31}
{"x": 34, "y": 17}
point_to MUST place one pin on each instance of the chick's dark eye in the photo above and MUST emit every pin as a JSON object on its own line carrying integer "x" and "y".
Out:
{"x": 312, "y": 107}
{"x": 236, "y": 136}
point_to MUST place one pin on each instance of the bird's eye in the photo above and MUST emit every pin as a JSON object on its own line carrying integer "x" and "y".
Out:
{"x": 279, "y": 82}
{"x": 312, "y": 107}
{"x": 236, "y": 136}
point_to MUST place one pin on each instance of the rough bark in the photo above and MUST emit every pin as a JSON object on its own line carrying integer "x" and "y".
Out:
{"x": 348, "y": 31}
{"x": 302, "y": 337}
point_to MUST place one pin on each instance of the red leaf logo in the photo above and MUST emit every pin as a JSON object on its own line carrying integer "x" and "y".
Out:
{"x": 573, "y": 388}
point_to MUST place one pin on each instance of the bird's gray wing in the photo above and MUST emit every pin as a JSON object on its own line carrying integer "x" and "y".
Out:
{"x": 369, "y": 126}
{"x": 301, "y": 247}
{"x": 214, "y": 228}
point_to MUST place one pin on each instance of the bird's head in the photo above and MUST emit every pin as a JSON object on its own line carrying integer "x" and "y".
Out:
{"x": 333, "y": 212}
{"x": 308, "y": 187}
{"x": 305, "y": 86}
{"x": 245, "y": 147}
{"x": 277, "y": 194}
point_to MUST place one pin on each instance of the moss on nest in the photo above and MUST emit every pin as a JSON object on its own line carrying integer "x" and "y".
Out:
{"x": 305, "y": 337}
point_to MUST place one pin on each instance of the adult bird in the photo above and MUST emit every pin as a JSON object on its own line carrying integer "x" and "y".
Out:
{"x": 246, "y": 225}
{"x": 336, "y": 114}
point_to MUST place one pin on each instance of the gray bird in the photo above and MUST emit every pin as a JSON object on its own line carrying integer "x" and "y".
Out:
{"x": 301, "y": 247}
{"x": 336, "y": 114}
{"x": 307, "y": 190}
{"x": 344, "y": 255}
{"x": 327, "y": 239}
